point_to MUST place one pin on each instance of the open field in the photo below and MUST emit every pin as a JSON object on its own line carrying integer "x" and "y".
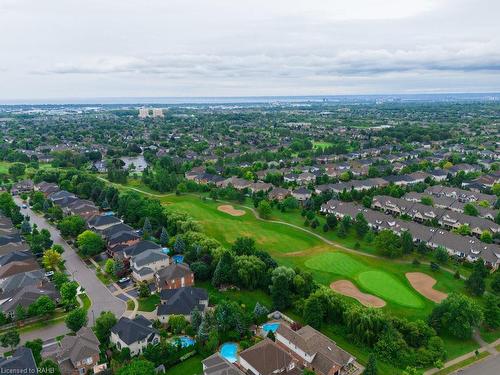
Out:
{"x": 295, "y": 248}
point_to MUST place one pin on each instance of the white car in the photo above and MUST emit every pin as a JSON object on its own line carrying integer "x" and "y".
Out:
{"x": 49, "y": 274}
{"x": 124, "y": 280}
{"x": 24, "y": 206}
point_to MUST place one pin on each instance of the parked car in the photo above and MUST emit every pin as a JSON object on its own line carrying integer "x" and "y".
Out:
{"x": 49, "y": 274}
{"x": 124, "y": 280}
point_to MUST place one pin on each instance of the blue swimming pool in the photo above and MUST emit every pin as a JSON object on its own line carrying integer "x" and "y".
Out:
{"x": 186, "y": 341}
{"x": 165, "y": 250}
{"x": 178, "y": 258}
{"x": 270, "y": 327}
{"x": 229, "y": 350}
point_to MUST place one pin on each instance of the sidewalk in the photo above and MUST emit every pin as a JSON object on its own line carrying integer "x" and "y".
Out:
{"x": 486, "y": 347}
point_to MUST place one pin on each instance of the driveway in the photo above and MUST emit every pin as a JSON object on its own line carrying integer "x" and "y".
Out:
{"x": 102, "y": 299}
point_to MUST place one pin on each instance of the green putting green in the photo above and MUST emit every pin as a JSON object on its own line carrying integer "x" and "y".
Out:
{"x": 379, "y": 283}
{"x": 341, "y": 264}
{"x": 389, "y": 288}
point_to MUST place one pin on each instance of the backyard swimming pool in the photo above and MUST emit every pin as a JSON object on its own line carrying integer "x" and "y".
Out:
{"x": 178, "y": 258}
{"x": 229, "y": 350}
{"x": 187, "y": 341}
{"x": 270, "y": 327}
{"x": 165, "y": 250}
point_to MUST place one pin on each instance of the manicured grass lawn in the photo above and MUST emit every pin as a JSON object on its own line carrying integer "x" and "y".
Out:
{"x": 274, "y": 237}
{"x": 462, "y": 364}
{"x": 489, "y": 335}
{"x": 377, "y": 282}
{"x": 191, "y": 366}
{"x": 389, "y": 288}
{"x": 248, "y": 298}
{"x": 339, "y": 263}
{"x": 456, "y": 347}
{"x": 85, "y": 300}
{"x": 149, "y": 303}
{"x": 295, "y": 248}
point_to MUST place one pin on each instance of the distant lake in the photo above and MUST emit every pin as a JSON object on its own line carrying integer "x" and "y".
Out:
{"x": 138, "y": 161}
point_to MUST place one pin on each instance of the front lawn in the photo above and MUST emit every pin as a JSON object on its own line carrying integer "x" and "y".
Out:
{"x": 149, "y": 303}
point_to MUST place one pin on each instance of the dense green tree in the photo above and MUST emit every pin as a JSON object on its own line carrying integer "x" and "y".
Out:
{"x": 76, "y": 319}
{"x": 103, "y": 325}
{"x": 388, "y": 244}
{"x": 164, "y": 238}
{"x": 281, "y": 287}
{"x": 223, "y": 273}
{"x": 470, "y": 209}
{"x": 491, "y": 311}
{"x": 136, "y": 367}
{"x": 457, "y": 315}
{"x": 71, "y": 226}
{"x": 68, "y": 292}
{"x": 90, "y": 243}
{"x": 406, "y": 242}
{"x": 361, "y": 225}
{"x": 264, "y": 209}
{"x": 244, "y": 246}
{"x": 48, "y": 366}
{"x": 371, "y": 366}
{"x": 36, "y": 347}
{"x": 10, "y": 339}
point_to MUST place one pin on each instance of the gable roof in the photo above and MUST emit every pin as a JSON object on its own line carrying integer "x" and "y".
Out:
{"x": 218, "y": 365}
{"x": 76, "y": 348}
{"x": 174, "y": 271}
{"x": 327, "y": 354}
{"x": 133, "y": 330}
{"x": 22, "y": 361}
{"x": 182, "y": 300}
{"x": 266, "y": 357}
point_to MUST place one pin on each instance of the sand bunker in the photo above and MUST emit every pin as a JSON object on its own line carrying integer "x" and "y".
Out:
{"x": 347, "y": 288}
{"x": 228, "y": 209}
{"x": 424, "y": 285}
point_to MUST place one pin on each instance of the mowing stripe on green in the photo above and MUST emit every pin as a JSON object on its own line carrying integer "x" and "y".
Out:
{"x": 389, "y": 288}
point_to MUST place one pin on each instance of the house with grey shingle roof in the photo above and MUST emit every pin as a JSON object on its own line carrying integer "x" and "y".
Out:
{"x": 181, "y": 301}
{"x": 134, "y": 334}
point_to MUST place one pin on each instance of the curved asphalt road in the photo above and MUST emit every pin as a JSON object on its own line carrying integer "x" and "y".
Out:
{"x": 101, "y": 297}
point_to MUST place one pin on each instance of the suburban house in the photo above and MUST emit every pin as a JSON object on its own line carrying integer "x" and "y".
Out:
{"x": 314, "y": 350}
{"x": 278, "y": 194}
{"x": 24, "y": 294}
{"x": 101, "y": 222}
{"x": 301, "y": 194}
{"x": 176, "y": 275}
{"x": 134, "y": 334}
{"x": 47, "y": 188}
{"x": 145, "y": 264}
{"x": 268, "y": 358}
{"x": 76, "y": 355}
{"x": 218, "y": 365}
{"x": 20, "y": 362}
{"x": 181, "y": 301}
{"x": 25, "y": 186}
{"x": 462, "y": 246}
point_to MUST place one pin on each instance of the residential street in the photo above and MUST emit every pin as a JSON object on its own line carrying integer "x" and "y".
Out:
{"x": 102, "y": 299}
{"x": 489, "y": 366}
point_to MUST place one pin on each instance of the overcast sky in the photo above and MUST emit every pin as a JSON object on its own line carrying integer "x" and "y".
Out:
{"x": 132, "y": 48}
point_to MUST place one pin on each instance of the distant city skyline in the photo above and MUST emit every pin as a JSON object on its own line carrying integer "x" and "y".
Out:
{"x": 58, "y": 49}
